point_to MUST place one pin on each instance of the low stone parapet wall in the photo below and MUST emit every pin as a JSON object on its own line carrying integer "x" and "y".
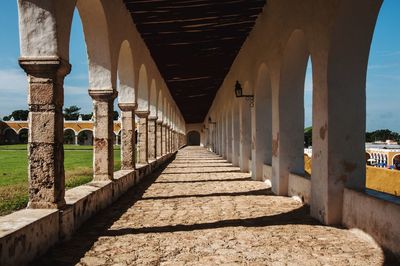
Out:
{"x": 375, "y": 216}
{"x": 300, "y": 188}
{"x": 29, "y": 233}
{"x": 267, "y": 172}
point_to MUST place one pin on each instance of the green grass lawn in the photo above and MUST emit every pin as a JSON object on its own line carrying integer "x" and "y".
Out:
{"x": 14, "y": 177}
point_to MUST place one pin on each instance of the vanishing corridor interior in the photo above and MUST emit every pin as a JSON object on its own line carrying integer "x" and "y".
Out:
{"x": 224, "y": 75}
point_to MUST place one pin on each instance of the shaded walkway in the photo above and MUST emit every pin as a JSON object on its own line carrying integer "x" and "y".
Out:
{"x": 202, "y": 211}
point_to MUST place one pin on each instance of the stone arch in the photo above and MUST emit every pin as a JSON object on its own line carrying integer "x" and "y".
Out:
{"x": 143, "y": 90}
{"x": 23, "y": 128}
{"x": 193, "y": 138}
{"x": 153, "y": 98}
{"x": 288, "y": 130}
{"x": 262, "y": 122}
{"x": 126, "y": 77}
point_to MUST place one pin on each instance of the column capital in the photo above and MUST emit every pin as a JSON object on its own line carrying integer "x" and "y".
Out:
{"x": 152, "y": 118}
{"x": 164, "y": 124}
{"x": 142, "y": 114}
{"x": 103, "y": 95}
{"x": 42, "y": 65}
{"x": 126, "y": 107}
{"x": 159, "y": 122}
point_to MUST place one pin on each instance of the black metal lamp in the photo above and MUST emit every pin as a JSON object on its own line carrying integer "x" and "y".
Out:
{"x": 239, "y": 94}
{"x": 238, "y": 90}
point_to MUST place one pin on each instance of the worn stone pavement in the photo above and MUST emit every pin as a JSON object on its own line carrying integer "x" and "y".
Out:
{"x": 202, "y": 211}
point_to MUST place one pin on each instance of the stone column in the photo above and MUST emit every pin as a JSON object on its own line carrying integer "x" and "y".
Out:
{"x": 103, "y": 144}
{"x": 143, "y": 137}
{"x": 76, "y": 140}
{"x": 46, "y": 131}
{"x": 128, "y": 146}
{"x": 152, "y": 124}
{"x": 159, "y": 138}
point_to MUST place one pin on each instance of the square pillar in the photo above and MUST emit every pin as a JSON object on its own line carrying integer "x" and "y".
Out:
{"x": 103, "y": 144}
{"x": 152, "y": 121}
{"x": 245, "y": 136}
{"x": 143, "y": 138}
{"x": 168, "y": 139}
{"x": 159, "y": 137}
{"x": 46, "y": 131}
{"x": 164, "y": 139}
{"x": 235, "y": 139}
{"x": 128, "y": 145}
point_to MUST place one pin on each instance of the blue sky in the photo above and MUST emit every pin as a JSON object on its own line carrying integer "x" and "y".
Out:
{"x": 383, "y": 82}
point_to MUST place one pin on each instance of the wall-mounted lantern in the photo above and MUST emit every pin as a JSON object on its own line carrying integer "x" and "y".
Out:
{"x": 239, "y": 94}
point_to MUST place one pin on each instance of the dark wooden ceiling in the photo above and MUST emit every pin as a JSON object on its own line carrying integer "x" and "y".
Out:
{"x": 194, "y": 43}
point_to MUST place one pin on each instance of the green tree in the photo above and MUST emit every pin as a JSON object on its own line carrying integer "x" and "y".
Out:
{"x": 71, "y": 113}
{"x": 87, "y": 116}
{"x": 116, "y": 115}
{"x": 308, "y": 137}
{"x": 382, "y": 135}
{"x": 18, "y": 115}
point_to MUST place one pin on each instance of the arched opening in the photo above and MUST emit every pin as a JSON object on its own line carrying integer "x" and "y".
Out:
{"x": 10, "y": 136}
{"x": 85, "y": 138}
{"x": 262, "y": 124}
{"x": 396, "y": 162}
{"x": 143, "y": 90}
{"x": 193, "y": 138}
{"x": 77, "y": 82}
{"x": 308, "y": 99}
{"x": 69, "y": 136}
{"x": 288, "y": 129}
{"x": 126, "y": 77}
{"x": 23, "y": 136}
{"x": 382, "y": 83}
{"x": 153, "y": 98}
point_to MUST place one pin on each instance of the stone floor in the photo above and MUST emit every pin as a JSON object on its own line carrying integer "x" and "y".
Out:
{"x": 202, "y": 211}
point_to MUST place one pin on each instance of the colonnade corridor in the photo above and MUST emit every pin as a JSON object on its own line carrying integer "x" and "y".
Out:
{"x": 200, "y": 210}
